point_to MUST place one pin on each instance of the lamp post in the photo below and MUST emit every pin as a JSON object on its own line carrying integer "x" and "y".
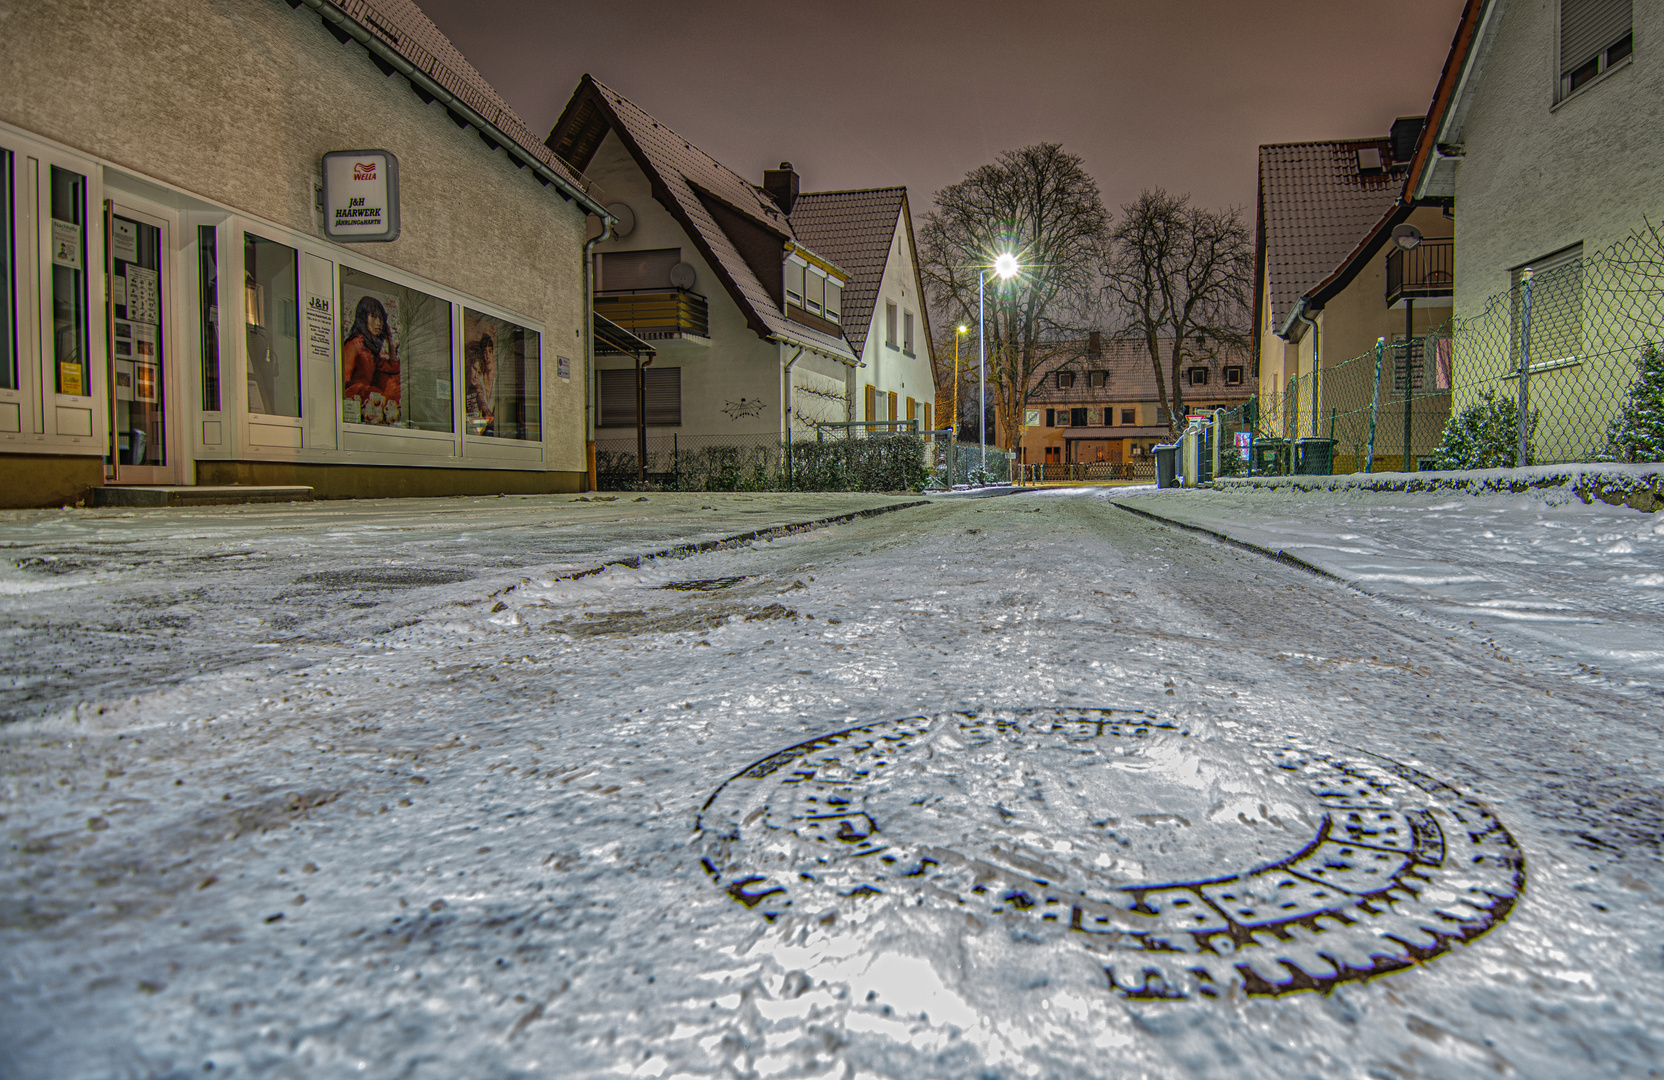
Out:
{"x": 1005, "y": 265}
{"x": 1408, "y": 238}
{"x": 958, "y": 332}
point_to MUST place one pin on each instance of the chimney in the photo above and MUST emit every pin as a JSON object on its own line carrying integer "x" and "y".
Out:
{"x": 1405, "y": 131}
{"x": 1094, "y": 344}
{"x": 781, "y": 185}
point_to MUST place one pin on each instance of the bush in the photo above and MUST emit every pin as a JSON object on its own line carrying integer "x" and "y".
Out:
{"x": 1484, "y": 436}
{"x": 1637, "y": 434}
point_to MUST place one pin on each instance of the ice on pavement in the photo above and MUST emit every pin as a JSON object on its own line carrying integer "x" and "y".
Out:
{"x": 1578, "y": 586}
{"x": 383, "y": 791}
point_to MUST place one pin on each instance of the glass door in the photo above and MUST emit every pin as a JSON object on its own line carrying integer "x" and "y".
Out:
{"x": 141, "y": 356}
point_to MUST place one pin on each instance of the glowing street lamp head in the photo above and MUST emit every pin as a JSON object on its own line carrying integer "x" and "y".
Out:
{"x": 963, "y": 329}
{"x": 1006, "y": 266}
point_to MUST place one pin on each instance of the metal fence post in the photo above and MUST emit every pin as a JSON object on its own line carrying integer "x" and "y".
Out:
{"x": 1525, "y": 369}
{"x": 1374, "y": 405}
{"x": 791, "y": 480}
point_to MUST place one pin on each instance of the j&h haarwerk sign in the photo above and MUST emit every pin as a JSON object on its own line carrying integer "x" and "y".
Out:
{"x": 361, "y": 196}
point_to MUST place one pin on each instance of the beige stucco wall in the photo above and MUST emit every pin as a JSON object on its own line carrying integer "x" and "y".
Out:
{"x": 235, "y": 101}
{"x": 734, "y": 364}
{"x": 1538, "y": 178}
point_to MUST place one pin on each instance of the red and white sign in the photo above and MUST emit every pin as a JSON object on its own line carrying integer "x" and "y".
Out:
{"x": 361, "y": 196}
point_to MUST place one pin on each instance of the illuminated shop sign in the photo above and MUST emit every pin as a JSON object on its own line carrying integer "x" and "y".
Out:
{"x": 361, "y": 196}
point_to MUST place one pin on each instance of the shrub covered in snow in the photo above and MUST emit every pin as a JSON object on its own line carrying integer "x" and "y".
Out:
{"x": 1637, "y": 433}
{"x": 1484, "y": 436}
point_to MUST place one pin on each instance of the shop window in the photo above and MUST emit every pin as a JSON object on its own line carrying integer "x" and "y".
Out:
{"x": 69, "y": 282}
{"x": 8, "y": 277}
{"x": 271, "y": 310}
{"x": 208, "y": 314}
{"x": 395, "y": 355}
{"x": 1233, "y": 376}
{"x": 139, "y": 392}
{"x": 502, "y": 378}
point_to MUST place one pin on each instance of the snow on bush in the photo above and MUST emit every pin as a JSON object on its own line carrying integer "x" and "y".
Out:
{"x": 1637, "y": 433}
{"x": 1484, "y": 436}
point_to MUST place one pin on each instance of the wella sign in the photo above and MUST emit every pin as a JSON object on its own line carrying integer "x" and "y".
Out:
{"x": 361, "y": 196}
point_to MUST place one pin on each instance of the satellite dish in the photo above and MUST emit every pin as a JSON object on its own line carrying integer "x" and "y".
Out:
{"x": 1406, "y": 236}
{"x": 683, "y": 276}
{"x": 626, "y": 219}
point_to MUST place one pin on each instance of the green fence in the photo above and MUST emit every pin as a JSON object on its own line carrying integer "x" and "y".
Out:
{"x": 1572, "y": 346}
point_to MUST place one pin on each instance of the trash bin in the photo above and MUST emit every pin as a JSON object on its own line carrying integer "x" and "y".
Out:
{"x": 1167, "y": 465}
{"x": 1270, "y": 457}
{"x": 1314, "y": 456}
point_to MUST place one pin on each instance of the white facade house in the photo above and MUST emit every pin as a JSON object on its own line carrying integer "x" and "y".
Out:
{"x": 768, "y": 309}
{"x": 1541, "y": 133}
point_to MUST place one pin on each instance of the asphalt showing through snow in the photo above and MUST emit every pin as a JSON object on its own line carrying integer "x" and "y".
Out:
{"x": 377, "y": 791}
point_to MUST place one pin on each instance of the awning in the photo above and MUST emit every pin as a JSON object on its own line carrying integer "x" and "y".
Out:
{"x": 612, "y": 338}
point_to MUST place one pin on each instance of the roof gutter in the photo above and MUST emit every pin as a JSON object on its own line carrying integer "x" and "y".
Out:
{"x": 819, "y": 350}
{"x": 386, "y": 57}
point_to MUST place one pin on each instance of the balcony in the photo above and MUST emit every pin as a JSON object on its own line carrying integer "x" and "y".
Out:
{"x": 656, "y": 314}
{"x": 1425, "y": 270}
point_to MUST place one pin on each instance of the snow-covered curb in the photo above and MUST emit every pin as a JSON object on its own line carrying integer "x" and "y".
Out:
{"x": 1637, "y": 486}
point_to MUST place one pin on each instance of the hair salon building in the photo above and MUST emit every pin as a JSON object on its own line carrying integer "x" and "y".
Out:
{"x": 275, "y": 242}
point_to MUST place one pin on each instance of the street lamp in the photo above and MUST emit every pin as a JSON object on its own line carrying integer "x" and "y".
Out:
{"x": 1005, "y": 265}
{"x": 1407, "y": 238}
{"x": 958, "y": 332}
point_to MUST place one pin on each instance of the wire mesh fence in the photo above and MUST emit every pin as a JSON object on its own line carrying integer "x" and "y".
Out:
{"x": 852, "y": 461}
{"x": 1572, "y": 347}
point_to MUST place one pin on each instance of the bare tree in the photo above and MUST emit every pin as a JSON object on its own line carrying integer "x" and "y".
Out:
{"x": 1181, "y": 276}
{"x": 1040, "y": 204}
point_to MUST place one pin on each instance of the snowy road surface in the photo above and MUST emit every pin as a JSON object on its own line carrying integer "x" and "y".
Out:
{"x": 1018, "y": 787}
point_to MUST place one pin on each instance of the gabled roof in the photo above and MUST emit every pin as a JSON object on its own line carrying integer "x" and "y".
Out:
{"x": 1314, "y": 207}
{"x": 854, "y": 230}
{"x": 1433, "y": 169}
{"x": 736, "y": 227}
{"x": 401, "y": 39}
{"x": 1131, "y": 375}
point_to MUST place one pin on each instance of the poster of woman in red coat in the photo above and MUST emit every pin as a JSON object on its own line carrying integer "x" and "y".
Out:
{"x": 370, "y": 366}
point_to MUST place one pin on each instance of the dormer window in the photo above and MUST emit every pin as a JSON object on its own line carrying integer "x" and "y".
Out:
{"x": 811, "y": 290}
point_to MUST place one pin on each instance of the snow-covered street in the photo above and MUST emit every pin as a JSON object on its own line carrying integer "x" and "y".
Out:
{"x": 1022, "y": 786}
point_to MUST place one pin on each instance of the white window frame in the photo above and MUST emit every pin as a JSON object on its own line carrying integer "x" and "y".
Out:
{"x": 1562, "y": 78}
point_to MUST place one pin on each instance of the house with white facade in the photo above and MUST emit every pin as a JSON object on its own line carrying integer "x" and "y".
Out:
{"x": 769, "y": 309}
{"x": 1540, "y": 136}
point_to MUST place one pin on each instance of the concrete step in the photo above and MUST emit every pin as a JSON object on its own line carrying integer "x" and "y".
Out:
{"x": 203, "y": 495}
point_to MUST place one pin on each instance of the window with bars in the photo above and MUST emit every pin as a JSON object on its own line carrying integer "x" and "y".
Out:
{"x": 1595, "y": 35}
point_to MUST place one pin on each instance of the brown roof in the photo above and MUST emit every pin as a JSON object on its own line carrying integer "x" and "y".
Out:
{"x": 1132, "y": 376}
{"x": 1314, "y": 207}
{"x": 854, "y": 230}
{"x": 727, "y": 217}
{"x": 404, "y": 29}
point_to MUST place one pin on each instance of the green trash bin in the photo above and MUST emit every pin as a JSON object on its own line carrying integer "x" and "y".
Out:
{"x": 1167, "y": 465}
{"x": 1314, "y": 456}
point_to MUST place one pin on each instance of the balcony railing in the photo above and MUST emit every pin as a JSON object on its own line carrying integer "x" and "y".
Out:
{"x": 1425, "y": 270}
{"x": 656, "y": 314}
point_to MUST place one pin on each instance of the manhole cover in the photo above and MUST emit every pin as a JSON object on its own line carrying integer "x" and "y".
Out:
{"x": 1191, "y": 864}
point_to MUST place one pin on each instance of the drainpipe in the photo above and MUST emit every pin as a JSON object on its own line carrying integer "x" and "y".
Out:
{"x": 1317, "y": 340}
{"x": 786, "y": 391}
{"x": 607, "y": 222}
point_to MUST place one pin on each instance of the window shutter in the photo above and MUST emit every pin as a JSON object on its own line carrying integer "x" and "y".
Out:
{"x": 794, "y": 283}
{"x": 912, "y": 409}
{"x": 872, "y": 398}
{"x": 618, "y": 397}
{"x": 1587, "y": 27}
{"x": 638, "y": 269}
{"x": 892, "y": 404}
{"x": 664, "y": 397}
{"x": 834, "y": 300}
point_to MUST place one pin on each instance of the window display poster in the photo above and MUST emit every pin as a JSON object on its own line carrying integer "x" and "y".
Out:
{"x": 143, "y": 291}
{"x": 66, "y": 245}
{"x": 501, "y": 378}
{"x": 124, "y": 240}
{"x": 395, "y": 350}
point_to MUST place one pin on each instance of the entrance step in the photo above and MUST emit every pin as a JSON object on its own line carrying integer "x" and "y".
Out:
{"x": 226, "y": 495}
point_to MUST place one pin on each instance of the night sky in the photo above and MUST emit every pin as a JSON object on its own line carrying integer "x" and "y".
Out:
{"x": 869, "y": 94}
